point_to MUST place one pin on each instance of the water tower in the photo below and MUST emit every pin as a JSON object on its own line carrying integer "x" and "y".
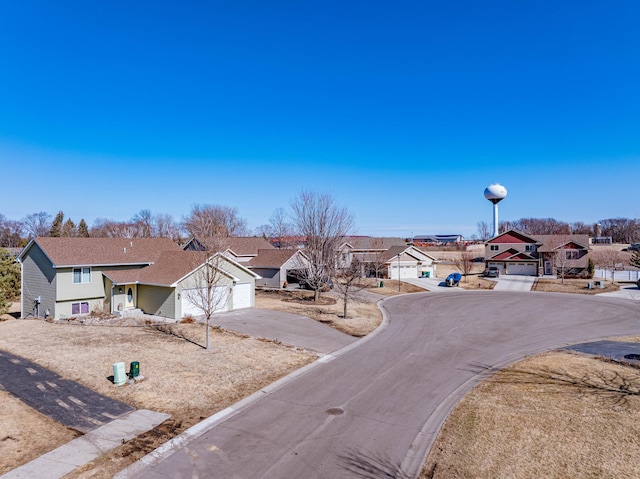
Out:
{"x": 495, "y": 193}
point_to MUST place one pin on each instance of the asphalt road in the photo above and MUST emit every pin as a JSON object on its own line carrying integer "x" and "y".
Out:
{"x": 375, "y": 410}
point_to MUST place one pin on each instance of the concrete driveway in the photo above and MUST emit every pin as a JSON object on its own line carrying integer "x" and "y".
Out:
{"x": 374, "y": 408}
{"x": 514, "y": 282}
{"x": 627, "y": 291}
{"x": 290, "y": 329}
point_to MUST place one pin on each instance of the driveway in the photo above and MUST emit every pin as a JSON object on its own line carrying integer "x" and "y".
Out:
{"x": 374, "y": 408}
{"x": 290, "y": 329}
{"x": 514, "y": 282}
{"x": 627, "y": 291}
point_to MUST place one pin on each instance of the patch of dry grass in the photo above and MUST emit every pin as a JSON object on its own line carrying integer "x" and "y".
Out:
{"x": 181, "y": 378}
{"x": 555, "y": 415}
{"x": 363, "y": 317}
{"x": 473, "y": 281}
{"x": 21, "y": 433}
{"x": 578, "y": 286}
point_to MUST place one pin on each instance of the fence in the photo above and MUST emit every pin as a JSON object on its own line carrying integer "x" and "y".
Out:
{"x": 625, "y": 275}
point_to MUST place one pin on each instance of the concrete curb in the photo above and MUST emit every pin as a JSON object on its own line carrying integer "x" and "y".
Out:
{"x": 84, "y": 449}
{"x": 178, "y": 442}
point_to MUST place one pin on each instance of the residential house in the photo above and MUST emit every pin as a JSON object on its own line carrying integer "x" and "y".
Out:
{"x": 369, "y": 251}
{"x": 64, "y": 277}
{"x": 278, "y": 267}
{"x": 239, "y": 248}
{"x": 409, "y": 262}
{"x": 517, "y": 253}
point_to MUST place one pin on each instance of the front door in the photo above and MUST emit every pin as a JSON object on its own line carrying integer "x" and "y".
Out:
{"x": 130, "y": 296}
{"x": 547, "y": 267}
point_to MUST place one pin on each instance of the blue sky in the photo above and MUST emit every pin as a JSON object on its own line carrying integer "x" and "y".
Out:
{"x": 403, "y": 111}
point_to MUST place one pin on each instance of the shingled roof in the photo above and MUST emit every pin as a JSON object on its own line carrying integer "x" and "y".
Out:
{"x": 102, "y": 251}
{"x": 271, "y": 258}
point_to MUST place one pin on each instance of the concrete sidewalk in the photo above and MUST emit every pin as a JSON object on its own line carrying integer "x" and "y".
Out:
{"x": 107, "y": 423}
{"x": 84, "y": 449}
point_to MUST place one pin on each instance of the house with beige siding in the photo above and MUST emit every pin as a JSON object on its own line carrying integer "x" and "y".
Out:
{"x": 278, "y": 267}
{"x": 67, "y": 277}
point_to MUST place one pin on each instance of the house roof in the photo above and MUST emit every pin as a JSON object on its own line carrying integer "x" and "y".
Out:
{"x": 238, "y": 245}
{"x": 513, "y": 237}
{"x": 101, "y": 251}
{"x": 372, "y": 243}
{"x": 552, "y": 242}
{"x": 412, "y": 251}
{"x": 271, "y": 258}
{"x": 169, "y": 268}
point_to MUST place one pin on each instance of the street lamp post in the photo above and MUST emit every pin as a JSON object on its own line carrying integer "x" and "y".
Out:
{"x": 398, "y": 272}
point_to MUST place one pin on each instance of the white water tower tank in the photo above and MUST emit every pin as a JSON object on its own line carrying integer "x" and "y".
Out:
{"x": 495, "y": 193}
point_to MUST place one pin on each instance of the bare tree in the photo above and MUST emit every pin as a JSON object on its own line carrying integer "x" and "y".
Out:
{"x": 317, "y": 218}
{"x": 214, "y": 220}
{"x": 464, "y": 262}
{"x": 280, "y": 227}
{"x": 37, "y": 224}
{"x": 608, "y": 259}
{"x": 484, "y": 230}
{"x": 562, "y": 256}
{"x": 10, "y": 232}
{"x": 377, "y": 259}
{"x": 348, "y": 282}
{"x": 143, "y": 221}
{"x": 208, "y": 293}
{"x": 165, "y": 227}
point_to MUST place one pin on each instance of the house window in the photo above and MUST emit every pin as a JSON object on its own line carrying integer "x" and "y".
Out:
{"x": 530, "y": 247}
{"x": 81, "y": 275}
{"x": 493, "y": 247}
{"x": 572, "y": 254}
{"x": 80, "y": 308}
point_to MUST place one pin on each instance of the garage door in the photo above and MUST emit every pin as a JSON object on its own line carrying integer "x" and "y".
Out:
{"x": 405, "y": 272}
{"x": 526, "y": 269}
{"x": 192, "y": 300}
{"x": 242, "y": 296}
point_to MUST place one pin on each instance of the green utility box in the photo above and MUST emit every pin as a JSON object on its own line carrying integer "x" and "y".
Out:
{"x": 134, "y": 369}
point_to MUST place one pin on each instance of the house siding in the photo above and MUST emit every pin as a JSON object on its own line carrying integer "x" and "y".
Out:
{"x": 157, "y": 300}
{"x": 38, "y": 279}
{"x": 270, "y": 277}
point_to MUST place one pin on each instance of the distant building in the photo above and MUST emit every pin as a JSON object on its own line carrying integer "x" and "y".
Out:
{"x": 438, "y": 239}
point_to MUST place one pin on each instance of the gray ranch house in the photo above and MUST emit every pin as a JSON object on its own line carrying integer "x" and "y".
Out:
{"x": 66, "y": 277}
{"x": 278, "y": 267}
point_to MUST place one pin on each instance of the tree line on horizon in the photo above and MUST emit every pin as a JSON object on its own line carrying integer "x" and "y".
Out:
{"x": 220, "y": 220}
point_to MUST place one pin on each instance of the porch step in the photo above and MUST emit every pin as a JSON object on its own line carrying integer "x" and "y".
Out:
{"x": 132, "y": 312}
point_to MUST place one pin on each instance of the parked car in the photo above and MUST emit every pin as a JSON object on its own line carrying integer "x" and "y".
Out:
{"x": 634, "y": 247}
{"x": 492, "y": 272}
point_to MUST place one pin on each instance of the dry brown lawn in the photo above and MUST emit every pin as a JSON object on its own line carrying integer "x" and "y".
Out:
{"x": 181, "y": 378}
{"x": 578, "y": 286}
{"x": 555, "y": 415}
{"x": 473, "y": 281}
{"x": 362, "y": 318}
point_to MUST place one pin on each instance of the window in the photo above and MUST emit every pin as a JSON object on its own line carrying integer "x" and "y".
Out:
{"x": 530, "y": 247}
{"x": 81, "y": 275}
{"x": 80, "y": 308}
{"x": 493, "y": 247}
{"x": 572, "y": 253}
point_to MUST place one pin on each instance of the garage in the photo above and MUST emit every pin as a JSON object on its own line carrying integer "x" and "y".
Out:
{"x": 525, "y": 269}
{"x": 242, "y": 296}
{"x": 190, "y": 300}
{"x": 406, "y": 271}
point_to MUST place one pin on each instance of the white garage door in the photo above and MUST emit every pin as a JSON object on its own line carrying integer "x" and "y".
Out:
{"x": 527, "y": 269}
{"x": 405, "y": 271}
{"x": 242, "y": 296}
{"x": 192, "y": 298}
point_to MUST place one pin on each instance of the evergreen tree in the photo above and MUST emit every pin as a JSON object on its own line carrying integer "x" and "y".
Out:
{"x": 69, "y": 229}
{"x": 83, "y": 229}
{"x": 56, "y": 226}
{"x": 635, "y": 259}
{"x": 9, "y": 280}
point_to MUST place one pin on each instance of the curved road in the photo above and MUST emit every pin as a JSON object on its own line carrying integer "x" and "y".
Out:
{"x": 375, "y": 409}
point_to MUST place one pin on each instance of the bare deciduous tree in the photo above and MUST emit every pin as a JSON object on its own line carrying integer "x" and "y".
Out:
{"x": 214, "y": 220}
{"x": 280, "y": 227}
{"x": 348, "y": 282}
{"x": 207, "y": 293}
{"x": 484, "y": 230}
{"x": 323, "y": 224}
{"x": 608, "y": 258}
{"x": 464, "y": 262}
{"x": 37, "y": 224}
